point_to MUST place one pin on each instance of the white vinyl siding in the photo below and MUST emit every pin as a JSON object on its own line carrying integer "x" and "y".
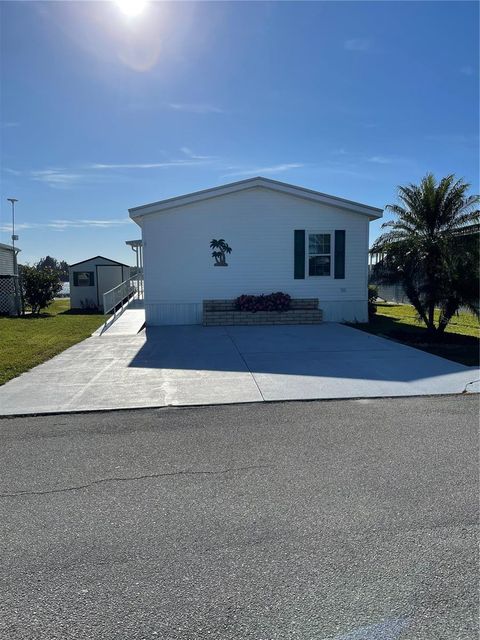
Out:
{"x": 259, "y": 226}
{"x": 6, "y": 262}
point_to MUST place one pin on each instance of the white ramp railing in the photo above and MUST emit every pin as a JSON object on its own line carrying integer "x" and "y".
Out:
{"x": 118, "y": 297}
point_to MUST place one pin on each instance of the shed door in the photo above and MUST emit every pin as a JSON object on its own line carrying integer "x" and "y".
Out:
{"x": 108, "y": 276}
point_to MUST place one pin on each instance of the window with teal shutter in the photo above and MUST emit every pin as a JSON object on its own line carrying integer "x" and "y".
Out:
{"x": 299, "y": 254}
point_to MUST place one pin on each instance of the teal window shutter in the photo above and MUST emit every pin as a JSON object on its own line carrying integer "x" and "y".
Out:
{"x": 339, "y": 254}
{"x": 299, "y": 259}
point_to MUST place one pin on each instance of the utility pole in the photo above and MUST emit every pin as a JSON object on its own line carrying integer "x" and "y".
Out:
{"x": 14, "y": 237}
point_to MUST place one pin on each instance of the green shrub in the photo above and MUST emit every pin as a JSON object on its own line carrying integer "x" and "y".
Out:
{"x": 39, "y": 287}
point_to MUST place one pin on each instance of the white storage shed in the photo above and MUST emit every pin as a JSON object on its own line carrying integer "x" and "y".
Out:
{"x": 90, "y": 279}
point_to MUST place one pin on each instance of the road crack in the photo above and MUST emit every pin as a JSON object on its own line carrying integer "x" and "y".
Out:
{"x": 468, "y": 384}
{"x": 183, "y": 472}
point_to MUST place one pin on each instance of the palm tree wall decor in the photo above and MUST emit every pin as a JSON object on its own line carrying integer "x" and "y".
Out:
{"x": 432, "y": 249}
{"x": 220, "y": 249}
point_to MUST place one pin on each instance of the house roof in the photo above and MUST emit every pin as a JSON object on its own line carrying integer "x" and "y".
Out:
{"x": 9, "y": 247}
{"x": 75, "y": 264}
{"x": 136, "y": 213}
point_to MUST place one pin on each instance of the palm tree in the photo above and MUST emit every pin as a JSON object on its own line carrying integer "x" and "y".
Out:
{"x": 222, "y": 248}
{"x": 425, "y": 248}
{"x": 462, "y": 278}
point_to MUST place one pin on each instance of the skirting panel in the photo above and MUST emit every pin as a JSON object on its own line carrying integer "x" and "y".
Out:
{"x": 165, "y": 313}
{"x": 344, "y": 310}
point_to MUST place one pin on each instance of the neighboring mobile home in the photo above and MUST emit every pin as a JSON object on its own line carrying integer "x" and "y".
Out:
{"x": 90, "y": 279}
{"x": 281, "y": 238}
{"x": 10, "y": 297}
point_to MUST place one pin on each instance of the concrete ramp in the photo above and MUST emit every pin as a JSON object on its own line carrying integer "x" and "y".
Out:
{"x": 127, "y": 323}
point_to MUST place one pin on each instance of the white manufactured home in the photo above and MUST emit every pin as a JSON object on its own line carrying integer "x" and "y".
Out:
{"x": 256, "y": 236}
{"x": 91, "y": 278}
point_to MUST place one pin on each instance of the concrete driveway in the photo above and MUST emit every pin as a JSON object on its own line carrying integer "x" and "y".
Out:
{"x": 189, "y": 365}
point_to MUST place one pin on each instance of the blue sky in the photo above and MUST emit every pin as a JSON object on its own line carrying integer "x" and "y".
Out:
{"x": 101, "y": 112}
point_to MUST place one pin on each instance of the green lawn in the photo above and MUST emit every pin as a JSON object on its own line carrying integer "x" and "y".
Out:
{"x": 28, "y": 341}
{"x": 399, "y": 322}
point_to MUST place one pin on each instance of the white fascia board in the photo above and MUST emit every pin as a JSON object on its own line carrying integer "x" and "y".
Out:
{"x": 138, "y": 219}
{"x": 9, "y": 247}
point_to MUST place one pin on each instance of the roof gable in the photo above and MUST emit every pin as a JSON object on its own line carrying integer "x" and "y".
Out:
{"x": 75, "y": 264}
{"x": 136, "y": 213}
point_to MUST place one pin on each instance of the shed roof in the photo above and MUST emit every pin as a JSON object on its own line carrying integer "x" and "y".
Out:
{"x": 9, "y": 247}
{"x": 136, "y": 213}
{"x": 75, "y": 264}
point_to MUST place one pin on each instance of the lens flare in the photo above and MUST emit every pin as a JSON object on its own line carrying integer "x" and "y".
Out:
{"x": 131, "y": 8}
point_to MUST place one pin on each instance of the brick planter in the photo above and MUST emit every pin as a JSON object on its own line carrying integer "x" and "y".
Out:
{"x": 222, "y": 312}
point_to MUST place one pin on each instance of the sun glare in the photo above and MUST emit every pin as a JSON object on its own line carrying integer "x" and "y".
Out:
{"x": 131, "y": 8}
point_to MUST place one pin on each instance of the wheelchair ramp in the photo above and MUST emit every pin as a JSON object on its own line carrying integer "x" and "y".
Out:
{"x": 128, "y": 323}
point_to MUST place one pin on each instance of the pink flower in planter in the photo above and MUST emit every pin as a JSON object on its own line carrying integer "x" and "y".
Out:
{"x": 273, "y": 302}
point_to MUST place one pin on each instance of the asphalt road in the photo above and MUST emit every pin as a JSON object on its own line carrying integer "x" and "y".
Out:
{"x": 353, "y": 520}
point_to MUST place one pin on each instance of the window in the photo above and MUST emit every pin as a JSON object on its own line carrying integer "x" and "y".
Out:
{"x": 83, "y": 279}
{"x": 319, "y": 254}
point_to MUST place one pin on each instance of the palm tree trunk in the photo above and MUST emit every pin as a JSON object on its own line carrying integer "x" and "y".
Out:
{"x": 431, "y": 317}
{"x": 442, "y": 325}
{"x": 447, "y": 313}
{"x": 414, "y": 297}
